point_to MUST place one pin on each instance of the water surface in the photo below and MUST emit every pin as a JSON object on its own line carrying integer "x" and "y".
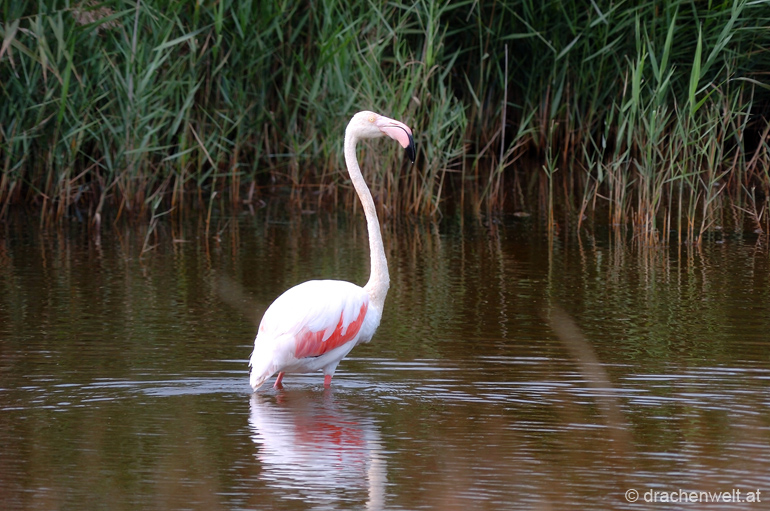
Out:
{"x": 510, "y": 371}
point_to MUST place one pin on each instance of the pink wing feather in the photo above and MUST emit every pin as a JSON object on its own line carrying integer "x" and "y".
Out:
{"x": 314, "y": 344}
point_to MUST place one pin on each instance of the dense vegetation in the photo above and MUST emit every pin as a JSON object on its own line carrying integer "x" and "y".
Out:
{"x": 653, "y": 115}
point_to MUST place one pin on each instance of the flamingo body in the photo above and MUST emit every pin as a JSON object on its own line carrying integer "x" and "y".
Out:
{"x": 314, "y": 325}
{"x": 311, "y": 327}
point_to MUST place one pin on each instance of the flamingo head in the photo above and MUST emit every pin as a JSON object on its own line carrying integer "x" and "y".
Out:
{"x": 371, "y": 125}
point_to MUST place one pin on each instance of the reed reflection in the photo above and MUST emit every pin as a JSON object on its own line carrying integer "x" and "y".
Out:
{"x": 312, "y": 448}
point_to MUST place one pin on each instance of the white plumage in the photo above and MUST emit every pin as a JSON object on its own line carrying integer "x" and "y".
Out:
{"x": 310, "y": 327}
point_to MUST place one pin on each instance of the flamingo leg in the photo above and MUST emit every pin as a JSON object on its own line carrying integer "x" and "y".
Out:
{"x": 328, "y": 381}
{"x": 277, "y": 384}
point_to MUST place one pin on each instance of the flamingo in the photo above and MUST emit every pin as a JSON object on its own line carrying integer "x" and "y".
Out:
{"x": 314, "y": 325}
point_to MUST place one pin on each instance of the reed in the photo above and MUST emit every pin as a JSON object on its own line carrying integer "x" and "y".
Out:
{"x": 655, "y": 113}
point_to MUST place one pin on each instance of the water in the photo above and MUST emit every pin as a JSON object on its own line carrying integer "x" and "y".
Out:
{"x": 509, "y": 372}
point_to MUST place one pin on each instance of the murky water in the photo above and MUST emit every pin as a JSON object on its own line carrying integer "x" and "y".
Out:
{"x": 508, "y": 372}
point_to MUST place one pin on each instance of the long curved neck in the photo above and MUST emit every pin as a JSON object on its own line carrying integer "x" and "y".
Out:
{"x": 379, "y": 279}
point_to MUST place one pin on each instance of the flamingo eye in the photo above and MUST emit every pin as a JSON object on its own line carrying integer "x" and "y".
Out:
{"x": 371, "y": 118}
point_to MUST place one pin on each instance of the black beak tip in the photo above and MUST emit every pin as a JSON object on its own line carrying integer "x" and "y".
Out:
{"x": 411, "y": 151}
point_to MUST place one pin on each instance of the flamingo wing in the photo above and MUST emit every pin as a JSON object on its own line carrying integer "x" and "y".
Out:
{"x": 315, "y": 344}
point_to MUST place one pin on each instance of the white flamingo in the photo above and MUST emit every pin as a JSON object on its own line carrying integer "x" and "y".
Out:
{"x": 314, "y": 325}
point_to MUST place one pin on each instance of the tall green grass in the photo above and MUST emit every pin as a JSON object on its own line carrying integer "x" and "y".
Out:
{"x": 658, "y": 111}
{"x": 654, "y": 114}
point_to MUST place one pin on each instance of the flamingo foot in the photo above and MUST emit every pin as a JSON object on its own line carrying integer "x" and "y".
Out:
{"x": 278, "y": 384}
{"x": 327, "y": 381}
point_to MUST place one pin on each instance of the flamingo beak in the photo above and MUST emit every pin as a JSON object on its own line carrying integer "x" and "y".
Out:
{"x": 411, "y": 150}
{"x": 401, "y": 133}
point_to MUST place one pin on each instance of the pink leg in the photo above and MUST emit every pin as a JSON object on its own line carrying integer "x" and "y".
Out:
{"x": 328, "y": 381}
{"x": 277, "y": 384}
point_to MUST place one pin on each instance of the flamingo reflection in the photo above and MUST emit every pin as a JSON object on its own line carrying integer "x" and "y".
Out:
{"x": 311, "y": 448}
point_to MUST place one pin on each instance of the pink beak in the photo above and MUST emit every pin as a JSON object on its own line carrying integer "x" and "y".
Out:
{"x": 400, "y": 132}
